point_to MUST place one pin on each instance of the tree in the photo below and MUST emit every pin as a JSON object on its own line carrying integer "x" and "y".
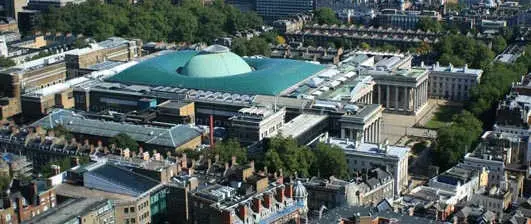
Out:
{"x": 185, "y": 26}
{"x": 258, "y": 46}
{"x": 239, "y": 46}
{"x": 124, "y": 141}
{"x": 426, "y": 23}
{"x": 458, "y": 49}
{"x": 60, "y": 130}
{"x": 254, "y": 46}
{"x": 325, "y": 16}
{"x": 4, "y": 183}
{"x": 6, "y": 62}
{"x": 280, "y": 40}
{"x": 229, "y": 148}
{"x": 149, "y": 20}
{"x": 457, "y": 139}
{"x": 292, "y": 158}
{"x": 365, "y": 46}
{"x": 499, "y": 44}
{"x": 330, "y": 161}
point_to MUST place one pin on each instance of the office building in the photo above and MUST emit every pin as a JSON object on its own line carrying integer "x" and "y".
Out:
{"x": 272, "y": 10}
{"x": 404, "y": 19}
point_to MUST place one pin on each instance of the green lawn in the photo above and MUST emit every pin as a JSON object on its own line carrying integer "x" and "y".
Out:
{"x": 443, "y": 116}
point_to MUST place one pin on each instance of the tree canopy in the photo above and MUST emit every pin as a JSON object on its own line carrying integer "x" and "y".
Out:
{"x": 123, "y": 141}
{"x": 459, "y": 49}
{"x": 149, "y": 20}
{"x": 229, "y": 148}
{"x": 60, "y": 130}
{"x": 286, "y": 154}
{"x": 457, "y": 139}
{"x": 6, "y": 62}
{"x": 330, "y": 161}
{"x": 254, "y": 46}
{"x": 499, "y": 44}
{"x": 325, "y": 15}
{"x": 426, "y": 23}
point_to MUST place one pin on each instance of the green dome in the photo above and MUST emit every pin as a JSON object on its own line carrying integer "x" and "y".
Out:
{"x": 215, "y": 61}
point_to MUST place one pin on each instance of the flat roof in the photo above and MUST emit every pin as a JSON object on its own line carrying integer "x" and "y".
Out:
{"x": 463, "y": 70}
{"x": 68, "y": 210}
{"x": 301, "y": 124}
{"x": 76, "y": 191}
{"x": 370, "y": 149}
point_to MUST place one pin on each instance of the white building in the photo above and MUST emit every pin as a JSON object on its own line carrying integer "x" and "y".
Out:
{"x": 364, "y": 156}
{"x": 463, "y": 182}
{"x": 254, "y": 124}
{"x": 449, "y": 82}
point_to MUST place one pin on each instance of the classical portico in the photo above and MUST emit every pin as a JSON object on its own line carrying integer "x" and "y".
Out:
{"x": 365, "y": 126}
{"x": 402, "y": 91}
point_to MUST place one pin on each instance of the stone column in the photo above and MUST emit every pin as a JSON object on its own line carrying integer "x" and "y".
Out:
{"x": 369, "y": 138}
{"x": 419, "y": 96}
{"x": 396, "y": 97}
{"x": 387, "y": 96}
{"x": 406, "y": 99}
{"x": 378, "y": 129}
{"x": 425, "y": 93}
{"x": 374, "y": 131}
{"x": 414, "y": 98}
{"x": 343, "y": 133}
{"x": 379, "y": 94}
{"x": 351, "y": 134}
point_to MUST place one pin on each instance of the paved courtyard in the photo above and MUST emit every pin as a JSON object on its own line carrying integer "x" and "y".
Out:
{"x": 396, "y": 125}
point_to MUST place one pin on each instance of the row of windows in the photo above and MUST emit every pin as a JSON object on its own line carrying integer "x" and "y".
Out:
{"x": 143, "y": 205}
{"x": 452, "y": 86}
{"x": 127, "y": 210}
{"x": 435, "y": 78}
{"x": 144, "y": 216}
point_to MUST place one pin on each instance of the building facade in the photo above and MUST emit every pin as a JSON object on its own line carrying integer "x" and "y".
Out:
{"x": 364, "y": 156}
{"x": 452, "y": 83}
{"x": 401, "y": 91}
{"x": 255, "y": 124}
{"x": 276, "y": 9}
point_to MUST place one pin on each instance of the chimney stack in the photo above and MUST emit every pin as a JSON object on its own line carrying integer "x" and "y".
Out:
{"x": 75, "y": 161}
{"x": 56, "y": 169}
{"x": 268, "y": 200}
{"x": 126, "y": 153}
{"x": 157, "y": 156}
{"x": 242, "y": 213}
{"x": 280, "y": 194}
{"x": 289, "y": 191}
{"x": 145, "y": 155}
{"x": 257, "y": 205}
